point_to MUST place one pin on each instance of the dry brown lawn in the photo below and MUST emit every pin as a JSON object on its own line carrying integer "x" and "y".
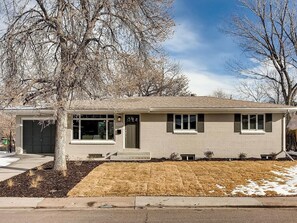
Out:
{"x": 201, "y": 178}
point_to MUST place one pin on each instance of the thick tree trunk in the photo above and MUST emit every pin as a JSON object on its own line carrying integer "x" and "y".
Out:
{"x": 61, "y": 127}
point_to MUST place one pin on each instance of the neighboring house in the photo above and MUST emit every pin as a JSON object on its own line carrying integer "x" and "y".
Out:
{"x": 156, "y": 127}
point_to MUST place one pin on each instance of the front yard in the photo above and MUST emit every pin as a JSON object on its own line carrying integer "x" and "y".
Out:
{"x": 168, "y": 178}
{"x": 202, "y": 178}
{"x": 43, "y": 181}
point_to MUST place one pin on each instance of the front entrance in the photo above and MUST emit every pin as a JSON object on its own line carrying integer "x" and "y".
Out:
{"x": 132, "y": 131}
{"x": 38, "y": 138}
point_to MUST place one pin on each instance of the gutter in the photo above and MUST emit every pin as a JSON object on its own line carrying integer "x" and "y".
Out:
{"x": 51, "y": 112}
{"x": 28, "y": 111}
{"x": 220, "y": 110}
{"x": 116, "y": 111}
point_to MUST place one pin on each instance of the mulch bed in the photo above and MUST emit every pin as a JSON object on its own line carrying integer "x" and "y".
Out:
{"x": 50, "y": 184}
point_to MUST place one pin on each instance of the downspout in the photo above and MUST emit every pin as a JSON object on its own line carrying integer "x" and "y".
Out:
{"x": 284, "y": 124}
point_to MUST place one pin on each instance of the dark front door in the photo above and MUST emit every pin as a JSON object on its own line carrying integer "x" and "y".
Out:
{"x": 132, "y": 131}
{"x": 38, "y": 137}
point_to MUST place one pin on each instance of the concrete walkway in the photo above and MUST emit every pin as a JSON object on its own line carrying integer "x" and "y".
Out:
{"x": 148, "y": 202}
{"x": 26, "y": 162}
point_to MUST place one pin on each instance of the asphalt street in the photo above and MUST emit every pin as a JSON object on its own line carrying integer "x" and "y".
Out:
{"x": 284, "y": 215}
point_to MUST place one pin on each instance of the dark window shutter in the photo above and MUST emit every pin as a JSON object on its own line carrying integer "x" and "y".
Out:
{"x": 268, "y": 122}
{"x": 237, "y": 122}
{"x": 200, "y": 124}
{"x": 169, "y": 122}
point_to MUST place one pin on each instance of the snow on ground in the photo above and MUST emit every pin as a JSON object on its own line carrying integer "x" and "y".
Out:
{"x": 285, "y": 184}
{"x": 220, "y": 187}
{"x": 6, "y": 159}
{"x": 292, "y": 153}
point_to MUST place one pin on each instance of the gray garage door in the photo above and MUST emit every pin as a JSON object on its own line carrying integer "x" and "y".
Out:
{"x": 38, "y": 138}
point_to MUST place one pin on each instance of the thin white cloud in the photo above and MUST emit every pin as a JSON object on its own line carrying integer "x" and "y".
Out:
{"x": 204, "y": 83}
{"x": 191, "y": 64}
{"x": 259, "y": 67}
{"x": 185, "y": 38}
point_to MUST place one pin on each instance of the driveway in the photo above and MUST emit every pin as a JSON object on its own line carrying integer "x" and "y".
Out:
{"x": 22, "y": 163}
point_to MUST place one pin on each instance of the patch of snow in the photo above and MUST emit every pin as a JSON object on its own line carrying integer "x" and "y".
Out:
{"x": 293, "y": 153}
{"x": 6, "y": 154}
{"x": 287, "y": 185}
{"x": 220, "y": 187}
{"x": 6, "y": 160}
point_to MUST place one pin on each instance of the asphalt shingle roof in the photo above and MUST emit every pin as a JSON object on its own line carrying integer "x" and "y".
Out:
{"x": 147, "y": 103}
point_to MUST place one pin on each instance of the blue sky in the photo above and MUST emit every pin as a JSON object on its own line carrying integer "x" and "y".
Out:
{"x": 200, "y": 47}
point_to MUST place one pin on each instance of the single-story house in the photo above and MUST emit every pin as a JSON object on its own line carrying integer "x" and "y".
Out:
{"x": 156, "y": 127}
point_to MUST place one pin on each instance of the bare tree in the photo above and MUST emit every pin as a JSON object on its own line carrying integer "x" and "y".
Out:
{"x": 260, "y": 90}
{"x": 152, "y": 77}
{"x": 7, "y": 128}
{"x": 53, "y": 49}
{"x": 268, "y": 34}
{"x": 220, "y": 93}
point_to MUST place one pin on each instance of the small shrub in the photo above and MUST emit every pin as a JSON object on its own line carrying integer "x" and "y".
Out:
{"x": 10, "y": 183}
{"x": 242, "y": 156}
{"x": 78, "y": 162}
{"x": 209, "y": 154}
{"x": 64, "y": 173}
{"x": 34, "y": 183}
{"x": 273, "y": 156}
{"x": 174, "y": 156}
{"x": 30, "y": 173}
{"x": 40, "y": 167}
{"x": 39, "y": 178}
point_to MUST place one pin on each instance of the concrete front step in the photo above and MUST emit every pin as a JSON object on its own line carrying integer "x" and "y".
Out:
{"x": 131, "y": 158}
{"x": 131, "y": 155}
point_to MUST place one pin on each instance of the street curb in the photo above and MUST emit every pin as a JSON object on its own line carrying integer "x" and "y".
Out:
{"x": 19, "y": 202}
{"x": 140, "y": 208}
{"x": 149, "y": 207}
{"x": 92, "y": 203}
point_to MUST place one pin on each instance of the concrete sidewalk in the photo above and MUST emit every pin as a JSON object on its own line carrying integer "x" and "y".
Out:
{"x": 148, "y": 202}
{"x": 26, "y": 162}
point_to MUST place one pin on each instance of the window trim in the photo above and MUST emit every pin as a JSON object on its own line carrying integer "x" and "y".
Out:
{"x": 252, "y": 131}
{"x": 182, "y": 130}
{"x": 96, "y": 141}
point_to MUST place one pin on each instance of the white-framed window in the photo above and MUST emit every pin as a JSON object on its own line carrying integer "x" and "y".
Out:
{"x": 185, "y": 122}
{"x": 93, "y": 127}
{"x": 252, "y": 122}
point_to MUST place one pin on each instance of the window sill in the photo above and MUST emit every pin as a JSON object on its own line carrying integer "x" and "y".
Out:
{"x": 252, "y": 132}
{"x": 92, "y": 142}
{"x": 185, "y": 132}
